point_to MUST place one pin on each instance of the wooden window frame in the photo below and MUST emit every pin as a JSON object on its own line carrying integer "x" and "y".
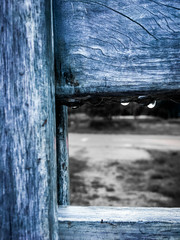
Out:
{"x": 28, "y": 204}
{"x": 103, "y": 222}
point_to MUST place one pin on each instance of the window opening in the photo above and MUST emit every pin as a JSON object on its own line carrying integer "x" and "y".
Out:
{"x": 125, "y": 155}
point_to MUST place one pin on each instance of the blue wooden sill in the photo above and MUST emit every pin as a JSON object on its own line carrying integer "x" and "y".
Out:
{"x": 118, "y": 223}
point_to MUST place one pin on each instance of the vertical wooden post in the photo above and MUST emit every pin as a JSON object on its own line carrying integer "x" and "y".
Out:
{"x": 62, "y": 154}
{"x": 27, "y": 121}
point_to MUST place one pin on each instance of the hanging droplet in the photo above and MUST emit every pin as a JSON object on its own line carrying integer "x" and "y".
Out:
{"x": 152, "y": 105}
{"x": 125, "y": 103}
{"x": 75, "y": 107}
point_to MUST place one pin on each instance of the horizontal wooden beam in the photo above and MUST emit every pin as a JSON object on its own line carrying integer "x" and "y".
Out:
{"x": 83, "y": 223}
{"x": 121, "y": 47}
{"x": 133, "y": 89}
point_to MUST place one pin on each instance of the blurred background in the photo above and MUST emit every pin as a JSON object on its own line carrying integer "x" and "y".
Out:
{"x": 125, "y": 154}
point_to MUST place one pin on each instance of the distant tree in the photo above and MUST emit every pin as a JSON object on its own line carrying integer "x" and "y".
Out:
{"x": 105, "y": 110}
{"x": 165, "y": 109}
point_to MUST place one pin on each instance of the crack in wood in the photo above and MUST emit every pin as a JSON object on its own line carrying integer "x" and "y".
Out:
{"x": 122, "y": 14}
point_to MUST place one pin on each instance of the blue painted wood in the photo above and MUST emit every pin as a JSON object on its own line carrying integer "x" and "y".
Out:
{"x": 116, "y": 47}
{"x": 84, "y": 223}
{"x": 62, "y": 154}
{"x": 28, "y": 196}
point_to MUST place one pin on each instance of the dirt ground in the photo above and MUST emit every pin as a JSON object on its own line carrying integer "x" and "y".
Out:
{"x": 139, "y": 183}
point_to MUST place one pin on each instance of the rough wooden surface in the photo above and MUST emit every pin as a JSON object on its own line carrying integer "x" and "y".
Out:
{"x": 83, "y": 223}
{"x": 62, "y": 154}
{"x": 128, "y": 46}
{"x": 27, "y": 121}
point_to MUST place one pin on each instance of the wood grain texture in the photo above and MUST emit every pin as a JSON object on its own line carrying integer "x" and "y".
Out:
{"x": 116, "y": 47}
{"x": 119, "y": 223}
{"x": 27, "y": 121}
{"x": 62, "y": 154}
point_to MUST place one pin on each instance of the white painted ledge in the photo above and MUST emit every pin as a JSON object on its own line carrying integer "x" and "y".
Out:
{"x": 84, "y": 223}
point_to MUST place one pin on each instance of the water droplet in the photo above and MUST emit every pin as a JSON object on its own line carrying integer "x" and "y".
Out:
{"x": 152, "y": 105}
{"x": 125, "y": 103}
{"x": 75, "y": 107}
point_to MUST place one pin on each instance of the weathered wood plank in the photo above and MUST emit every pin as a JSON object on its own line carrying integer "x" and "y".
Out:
{"x": 119, "y": 223}
{"x": 116, "y": 47}
{"x": 62, "y": 154}
{"x": 27, "y": 121}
